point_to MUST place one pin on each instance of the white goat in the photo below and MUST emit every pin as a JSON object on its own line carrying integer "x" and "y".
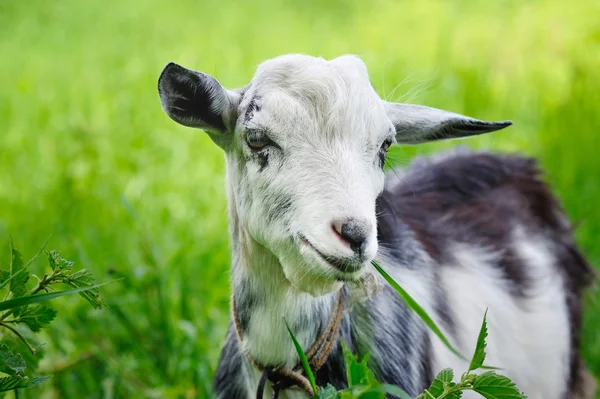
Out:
{"x": 309, "y": 206}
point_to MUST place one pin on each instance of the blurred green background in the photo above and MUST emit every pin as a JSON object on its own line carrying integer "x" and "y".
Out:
{"x": 88, "y": 157}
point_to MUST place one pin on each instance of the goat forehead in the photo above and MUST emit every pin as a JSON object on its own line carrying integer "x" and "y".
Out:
{"x": 300, "y": 71}
{"x": 307, "y": 96}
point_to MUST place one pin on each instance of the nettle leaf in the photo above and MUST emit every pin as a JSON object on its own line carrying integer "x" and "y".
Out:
{"x": 15, "y": 382}
{"x": 19, "y": 276}
{"x": 10, "y": 363}
{"x": 441, "y": 380}
{"x": 4, "y": 276}
{"x": 16, "y": 362}
{"x": 36, "y": 317}
{"x": 495, "y": 386}
{"x": 56, "y": 262}
{"x": 84, "y": 278}
{"x": 362, "y": 382}
{"x": 357, "y": 371}
{"x": 62, "y": 269}
{"x": 329, "y": 392}
{"x": 479, "y": 355}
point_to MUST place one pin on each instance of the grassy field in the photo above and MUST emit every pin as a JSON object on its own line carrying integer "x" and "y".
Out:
{"x": 88, "y": 157}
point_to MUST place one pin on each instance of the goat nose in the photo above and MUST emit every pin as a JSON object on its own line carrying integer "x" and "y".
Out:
{"x": 354, "y": 233}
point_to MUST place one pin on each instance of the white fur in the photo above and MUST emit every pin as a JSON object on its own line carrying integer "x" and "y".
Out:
{"x": 528, "y": 338}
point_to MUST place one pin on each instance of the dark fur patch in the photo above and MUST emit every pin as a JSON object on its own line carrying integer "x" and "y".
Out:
{"x": 228, "y": 381}
{"x": 252, "y": 108}
{"x": 263, "y": 159}
{"x": 245, "y": 305}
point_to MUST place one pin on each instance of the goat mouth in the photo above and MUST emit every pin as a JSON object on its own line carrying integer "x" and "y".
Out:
{"x": 343, "y": 265}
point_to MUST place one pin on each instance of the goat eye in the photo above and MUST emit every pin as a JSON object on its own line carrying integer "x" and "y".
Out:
{"x": 257, "y": 141}
{"x": 383, "y": 152}
{"x": 386, "y": 145}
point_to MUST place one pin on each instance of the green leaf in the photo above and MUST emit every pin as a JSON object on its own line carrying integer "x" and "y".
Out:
{"x": 62, "y": 274}
{"x": 56, "y": 262}
{"x": 303, "y": 359}
{"x": 19, "y": 275}
{"x": 396, "y": 391}
{"x": 36, "y": 317}
{"x": 412, "y": 304}
{"x": 10, "y": 363}
{"x": 5, "y": 277}
{"x": 438, "y": 386}
{"x": 479, "y": 355}
{"x": 16, "y": 363}
{"x": 84, "y": 278}
{"x": 357, "y": 372}
{"x": 329, "y": 392}
{"x": 17, "y": 302}
{"x": 16, "y": 382}
{"x": 494, "y": 386}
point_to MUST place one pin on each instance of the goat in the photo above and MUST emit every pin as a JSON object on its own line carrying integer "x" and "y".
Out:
{"x": 310, "y": 207}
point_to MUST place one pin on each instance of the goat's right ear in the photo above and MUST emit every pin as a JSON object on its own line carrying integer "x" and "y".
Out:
{"x": 198, "y": 100}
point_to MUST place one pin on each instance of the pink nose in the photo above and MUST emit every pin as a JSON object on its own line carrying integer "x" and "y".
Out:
{"x": 353, "y": 232}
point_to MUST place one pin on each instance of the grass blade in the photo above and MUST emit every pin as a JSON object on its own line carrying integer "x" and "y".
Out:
{"x": 415, "y": 307}
{"x": 28, "y": 300}
{"x": 395, "y": 390}
{"x": 303, "y": 359}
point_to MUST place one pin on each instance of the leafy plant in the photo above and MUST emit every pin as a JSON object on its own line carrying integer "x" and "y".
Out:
{"x": 363, "y": 384}
{"x": 22, "y": 307}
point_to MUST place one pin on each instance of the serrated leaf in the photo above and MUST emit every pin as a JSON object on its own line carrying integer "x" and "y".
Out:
{"x": 19, "y": 275}
{"x": 57, "y": 262}
{"x": 357, "y": 372}
{"x": 443, "y": 384}
{"x": 84, "y": 278}
{"x": 479, "y": 355}
{"x": 16, "y": 382}
{"x": 303, "y": 359}
{"x": 36, "y": 317}
{"x": 438, "y": 385}
{"x": 4, "y": 276}
{"x": 329, "y": 392}
{"x": 16, "y": 363}
{"x": 415, "y": 307}
{"x": 10, "y": 363}
{"x": 495, "y": 386}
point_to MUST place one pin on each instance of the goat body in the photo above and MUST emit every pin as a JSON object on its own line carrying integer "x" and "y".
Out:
{"x": 310, "y": 207}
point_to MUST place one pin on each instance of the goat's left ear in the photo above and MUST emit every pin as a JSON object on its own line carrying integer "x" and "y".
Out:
{"x": 198, "y": 100}
{"x": 418, "y": 124}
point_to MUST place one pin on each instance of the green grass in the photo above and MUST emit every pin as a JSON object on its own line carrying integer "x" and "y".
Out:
{"x": 88, "y": 157}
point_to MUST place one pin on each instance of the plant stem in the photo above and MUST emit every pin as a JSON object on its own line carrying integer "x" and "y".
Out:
{"x": 18, "y": 334}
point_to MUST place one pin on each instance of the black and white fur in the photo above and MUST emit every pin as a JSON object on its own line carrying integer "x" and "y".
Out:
{"x": 462, "y": 232}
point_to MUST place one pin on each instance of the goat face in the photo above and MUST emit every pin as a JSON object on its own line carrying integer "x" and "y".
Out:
{"x": 306, "y": 142}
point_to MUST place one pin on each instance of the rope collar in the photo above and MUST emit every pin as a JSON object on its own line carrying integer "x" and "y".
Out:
{"x": 282, "y": 377}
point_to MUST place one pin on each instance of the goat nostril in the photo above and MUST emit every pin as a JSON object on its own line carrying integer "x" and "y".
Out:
{"x": 355, "y": 234}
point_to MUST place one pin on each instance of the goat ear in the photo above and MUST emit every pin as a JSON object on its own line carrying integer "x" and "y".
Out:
{"x": 418, "y": 124}
{"x": 198, "y": 100}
